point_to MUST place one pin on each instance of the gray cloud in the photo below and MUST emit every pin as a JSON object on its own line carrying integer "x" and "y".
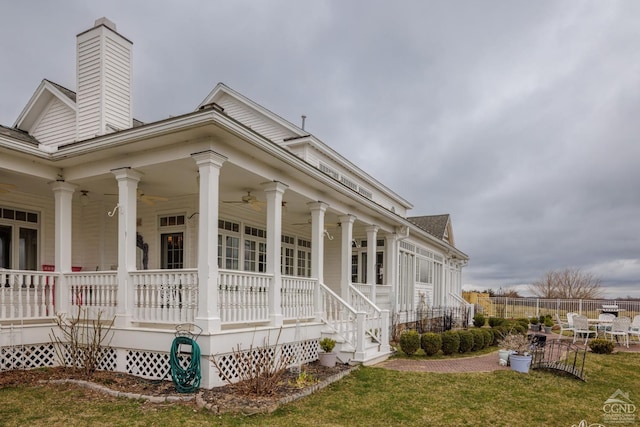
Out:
{"x": 519, "y": 118}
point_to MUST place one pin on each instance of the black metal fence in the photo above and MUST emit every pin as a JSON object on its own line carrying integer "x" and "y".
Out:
{"x": 433, "y": 319}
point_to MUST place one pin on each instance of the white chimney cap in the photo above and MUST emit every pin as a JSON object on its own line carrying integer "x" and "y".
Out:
{"x": 106, "y": 22}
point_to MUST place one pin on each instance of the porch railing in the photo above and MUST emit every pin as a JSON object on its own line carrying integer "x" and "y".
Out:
{"x": 243, "y": 296}
{"x": 341, "y": 317}
{"x": 297, "y": 297}
{"x": 26, "y": 294}
{"x": 376, "y": 321}
{"x": 528, "y": 307}
{"x": 94, "y": 291}
{"x": 165, "y": 296}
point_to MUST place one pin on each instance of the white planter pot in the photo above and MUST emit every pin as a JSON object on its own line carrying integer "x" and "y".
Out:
{"x": 520, "y": 363}
{"x": 327, "y": 359}
{"x": 503, "y": 356}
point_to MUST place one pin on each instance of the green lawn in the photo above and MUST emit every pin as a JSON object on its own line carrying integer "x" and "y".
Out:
{"x": 368, "y": 397}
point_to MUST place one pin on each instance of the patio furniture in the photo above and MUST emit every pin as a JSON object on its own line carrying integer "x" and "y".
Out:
{"x": 604, "y": 322}
{"x": 581, "y": 326}
{"x": 634, "y": 328}
{"x": 620, "y": 328}
{"x": 565, "y": 326}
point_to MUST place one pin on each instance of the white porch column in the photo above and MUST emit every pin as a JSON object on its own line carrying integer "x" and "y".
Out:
{"x": 127, "y": 209}
{"x": 63, "y": 193}
{"x": 317, "y": 210}
{"x": 372, "y": 236}
{"x": 346, "y": 225}
{"x": 273, "y": 192}
{"x": 208, "y": 315}
{"x": 391, "y": 266}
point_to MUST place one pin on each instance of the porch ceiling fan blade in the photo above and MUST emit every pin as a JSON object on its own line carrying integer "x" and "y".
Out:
{"x": 248, "y": 199}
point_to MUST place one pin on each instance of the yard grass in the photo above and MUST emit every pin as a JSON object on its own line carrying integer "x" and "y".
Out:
{"x": 368, "y": 397}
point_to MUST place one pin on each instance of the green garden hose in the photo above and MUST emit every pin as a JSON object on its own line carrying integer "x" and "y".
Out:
{"x": 186, "y": 380}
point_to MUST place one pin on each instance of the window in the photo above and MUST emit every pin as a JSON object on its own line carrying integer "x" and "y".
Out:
{"x": 228, "y": 245}
{"x": 172, "y": 241}
{"x": 304, "y": 258}
{"x": 172, "y": 250}
{"x": 19, "y": 239}
{"x": 287, "y": 254}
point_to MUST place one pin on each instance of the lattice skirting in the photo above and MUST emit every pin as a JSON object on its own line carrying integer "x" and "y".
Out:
{"x": 146, "y": 364}
{"x": 27, "y": 357}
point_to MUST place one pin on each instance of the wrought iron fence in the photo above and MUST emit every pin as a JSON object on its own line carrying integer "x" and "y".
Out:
{"x": 434, "y": 319}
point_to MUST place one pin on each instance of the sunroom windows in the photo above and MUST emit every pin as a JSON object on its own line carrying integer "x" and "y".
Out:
{"x": 18, "y": 239}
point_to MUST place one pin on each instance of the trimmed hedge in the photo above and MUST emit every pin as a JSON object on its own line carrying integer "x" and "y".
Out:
{"x": 431, "y": 343}
{"x": 488, "y": 337}
{"x": 466, "y": 341}
{"x": 479, "y": 320}
{"x": 601, "y": 346}
{"x": 496, "y": 321}
{"x": 478, "y": 339}
{"x": 409, "y": 342}
{"x": 450, "y": 342}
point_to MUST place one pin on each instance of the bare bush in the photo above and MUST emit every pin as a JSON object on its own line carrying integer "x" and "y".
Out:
{"x": 260, "y": 369}
{"x": 568, "y": 283}
{"x": 79, "y": 344}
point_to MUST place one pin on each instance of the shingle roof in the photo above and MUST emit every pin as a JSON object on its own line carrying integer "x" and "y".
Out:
{"x": 17, "y": 134}
{"x": 436, "y": 225}
{"x": 69, "y": 93}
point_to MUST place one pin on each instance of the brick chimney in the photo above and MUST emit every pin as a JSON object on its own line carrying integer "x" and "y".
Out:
{"x": 104, "y": 81}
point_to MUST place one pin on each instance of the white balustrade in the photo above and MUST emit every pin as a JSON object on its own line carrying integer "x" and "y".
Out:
{"x": 165, "y": 296}
{"x": 26, "y": 294}
{"x": 339, "y": 315}
{"x": 376, "y": 320}
{"x": 94, "y": 291}
{"x": 243, "y": 297}
{"x": 297, "y": 297}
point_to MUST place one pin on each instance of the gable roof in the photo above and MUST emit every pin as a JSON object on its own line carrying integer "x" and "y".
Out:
{"x": 39, "y": 101}
{"x": 436, "y": 225}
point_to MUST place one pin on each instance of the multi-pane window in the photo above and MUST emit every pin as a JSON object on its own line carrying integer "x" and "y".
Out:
{"x": 228, "y": 245}
{"x": 172, "y": 245}
{"x": 18, "y": 239}
{"x": 287, "y": 255}
{"x": 304, "y": 258}
{"x": 172, "y": 250}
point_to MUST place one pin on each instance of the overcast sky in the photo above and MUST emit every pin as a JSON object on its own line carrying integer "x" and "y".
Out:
{"x": 519, "y": 118}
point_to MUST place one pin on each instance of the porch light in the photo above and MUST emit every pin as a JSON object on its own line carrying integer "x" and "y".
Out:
{"x": 84, "y": 198}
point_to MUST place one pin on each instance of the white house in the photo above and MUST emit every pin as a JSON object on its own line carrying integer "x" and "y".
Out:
{"x": 229, "y": 218}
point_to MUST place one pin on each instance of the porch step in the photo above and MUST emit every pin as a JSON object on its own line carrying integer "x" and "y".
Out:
{"x": 346, "y": 353}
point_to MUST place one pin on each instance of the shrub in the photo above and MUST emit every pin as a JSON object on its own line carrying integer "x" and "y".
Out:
{"x": 327, "y": 344}
{"x": 478, "y": 320}
{"x": 409, "y": 342}
{"x": 524, "y": 322}
{"x": 450, "y": 342}
{"x": 488, "y": 337}
{"x": 478, "y": 339}
{"x": 431, "y": 343}
{"x": 601, "y": 346}
{"x": 496, "y": 321}
{"x": 466, "y": 341}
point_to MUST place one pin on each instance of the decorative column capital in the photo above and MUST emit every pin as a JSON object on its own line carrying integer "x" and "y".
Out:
{"x": 209, "y": 157}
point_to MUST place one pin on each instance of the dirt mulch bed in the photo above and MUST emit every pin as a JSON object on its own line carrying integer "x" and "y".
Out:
{"x": 227, "y": 399}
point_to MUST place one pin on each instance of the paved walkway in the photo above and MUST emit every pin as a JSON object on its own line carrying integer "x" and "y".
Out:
{"x": 484, "y": 363}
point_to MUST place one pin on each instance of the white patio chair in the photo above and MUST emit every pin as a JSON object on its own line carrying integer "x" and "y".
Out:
{"x": 581, "y": 326}
{"x": 604, "y": 322}
{"x": 620, "y": 328}
{"x": 565, "y": 326}
{"x": 634, "y": 328}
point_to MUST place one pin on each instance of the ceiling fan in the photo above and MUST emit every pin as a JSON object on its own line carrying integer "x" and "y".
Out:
{"x": 250, "y": 200}
{"x": 326, "y": 224}
{"x": 6, "y": 188}
{"x": 147, "y": 199}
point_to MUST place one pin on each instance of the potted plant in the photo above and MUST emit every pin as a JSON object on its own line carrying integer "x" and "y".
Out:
{"x": 518, "y": 346}
{"x": 327, "y": 357}
{"x": 548, "y": 324}
{"x": 533, "y": 324}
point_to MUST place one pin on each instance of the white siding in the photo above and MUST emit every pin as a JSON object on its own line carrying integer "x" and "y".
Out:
{"x": 104, "y": 83}
{"x": 89, "y": 120}
{"x": 57, "y": 125}
{"x": 332, "y": 254}
{"x": 254, "y": 120}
